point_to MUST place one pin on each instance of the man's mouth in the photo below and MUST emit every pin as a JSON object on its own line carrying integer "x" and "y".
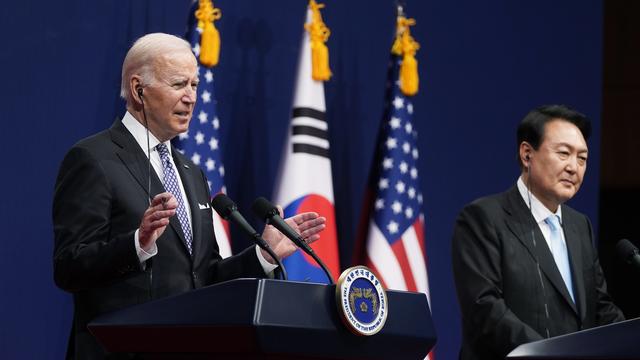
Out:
{"x": 567, "y": 182}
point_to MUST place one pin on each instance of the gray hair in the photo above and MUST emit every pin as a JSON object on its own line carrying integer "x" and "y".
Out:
{"x": 142, "y": 55}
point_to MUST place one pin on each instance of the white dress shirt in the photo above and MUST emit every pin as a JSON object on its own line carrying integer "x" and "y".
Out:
{"x": 139, "y": 133}
{"x": 540, "y": 213}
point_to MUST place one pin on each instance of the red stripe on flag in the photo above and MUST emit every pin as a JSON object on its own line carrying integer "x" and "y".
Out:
{"x": 401, "y": 254}
{"x": 225, "y": 225}
{"x": 418, "y": 226}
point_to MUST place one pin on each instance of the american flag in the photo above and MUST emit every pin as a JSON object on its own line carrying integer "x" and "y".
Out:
{"x": 395, "y": 244}
{"x": 201, "y": 142}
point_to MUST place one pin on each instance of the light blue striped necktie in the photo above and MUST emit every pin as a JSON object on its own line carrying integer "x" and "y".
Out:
{"x": 560, "y": 253}
{"x": 171, "y": 185}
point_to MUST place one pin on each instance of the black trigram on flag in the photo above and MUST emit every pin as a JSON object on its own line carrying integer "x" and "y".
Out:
{"x": 309, "y": 132}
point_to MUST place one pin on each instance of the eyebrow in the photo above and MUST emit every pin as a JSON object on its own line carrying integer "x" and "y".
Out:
{"x": 586, "y": 149}
{"x": 182, "y": 80}
{"x": 177, "y": 79}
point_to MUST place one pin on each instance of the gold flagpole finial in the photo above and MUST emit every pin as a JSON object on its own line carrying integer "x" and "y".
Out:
{"x": 319, "y": 34}
{"x": 209, "y": 35}
{"x": 405, "y": 46}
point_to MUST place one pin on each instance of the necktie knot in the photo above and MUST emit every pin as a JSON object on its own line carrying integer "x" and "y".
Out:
{"x": 163, "y": 151}
{"x": 553, "y": 221}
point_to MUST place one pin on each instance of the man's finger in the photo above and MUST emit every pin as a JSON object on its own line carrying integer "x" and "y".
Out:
{"x": 311, "y": 239}
{"x": 156, "y": 224}
{"x": 306, "y": 216}
{"x": 160, "y": 214}
{"x": 313, "y": 230}
{"x": 162, "y": 198}
{"x": 171, "y": 204}
{"x": 312, "y": 223}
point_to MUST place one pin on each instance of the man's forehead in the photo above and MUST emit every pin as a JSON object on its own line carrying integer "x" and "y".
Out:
{"x": 176, "y": 65}
{"x": 560, "y": 132}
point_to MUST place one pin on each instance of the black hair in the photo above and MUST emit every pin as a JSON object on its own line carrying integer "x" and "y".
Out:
{"x": 531, "y": 128}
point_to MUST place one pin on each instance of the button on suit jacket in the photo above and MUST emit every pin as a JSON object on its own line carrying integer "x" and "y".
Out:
{"x": 100, "y": 198}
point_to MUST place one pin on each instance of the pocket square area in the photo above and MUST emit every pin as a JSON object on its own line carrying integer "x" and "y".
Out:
{"x": 205, "y": 206}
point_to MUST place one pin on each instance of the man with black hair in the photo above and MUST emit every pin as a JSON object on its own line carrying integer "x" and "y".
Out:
{"x": 524, "y": 263}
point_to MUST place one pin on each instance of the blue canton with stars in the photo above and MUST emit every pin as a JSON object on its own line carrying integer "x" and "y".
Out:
{"x": 398, "y": 200}
{"x": 201, "y": 142}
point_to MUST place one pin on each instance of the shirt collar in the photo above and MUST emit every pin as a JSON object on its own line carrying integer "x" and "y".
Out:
{"x": 538, "y": 210}
{"x": 139, "y": 133}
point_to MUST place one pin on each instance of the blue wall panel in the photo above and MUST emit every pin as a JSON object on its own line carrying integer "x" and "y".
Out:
{"x": 483, "y": 65}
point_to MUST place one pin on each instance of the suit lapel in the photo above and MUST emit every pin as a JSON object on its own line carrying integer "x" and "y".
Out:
{"x": 572, "y": 237}
{"x": 135, "y": 160}
{"x": 525, "y": 228}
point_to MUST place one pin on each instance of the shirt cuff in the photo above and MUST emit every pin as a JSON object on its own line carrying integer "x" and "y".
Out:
{"x": 144, "y": 255}
{"x": 266, "y": 266}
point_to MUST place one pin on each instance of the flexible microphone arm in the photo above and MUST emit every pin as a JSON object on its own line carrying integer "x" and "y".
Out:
{"x": 226, "y": 208}
{"x": 270, "y": 214}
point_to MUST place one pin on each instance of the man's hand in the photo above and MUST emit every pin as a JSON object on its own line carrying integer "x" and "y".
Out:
{"x": 308, "y": 225}
{"x": 156, "y": 218}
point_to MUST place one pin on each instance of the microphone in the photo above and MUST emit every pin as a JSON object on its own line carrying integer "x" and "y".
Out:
{"x": 270, "y": 214}
{"x": 629, "y": 253}
{"x": 227, "y": 209}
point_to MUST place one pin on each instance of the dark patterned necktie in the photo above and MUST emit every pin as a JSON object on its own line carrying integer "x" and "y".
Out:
{"x": 171, "y": 185}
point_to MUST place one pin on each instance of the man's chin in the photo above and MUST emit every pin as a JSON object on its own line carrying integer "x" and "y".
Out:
{"x": 182, "y": 127}
{"x": 566, "y": 195}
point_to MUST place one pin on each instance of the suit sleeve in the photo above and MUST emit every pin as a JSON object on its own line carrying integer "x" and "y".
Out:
{"x": 489, "y": 325}
{"x": 86, "y": 252}
{"x": 244, "y": 264}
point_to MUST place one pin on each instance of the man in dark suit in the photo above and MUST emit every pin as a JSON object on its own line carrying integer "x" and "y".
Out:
{"x": 117, "y": 243}
{"x": 524, "y": 263}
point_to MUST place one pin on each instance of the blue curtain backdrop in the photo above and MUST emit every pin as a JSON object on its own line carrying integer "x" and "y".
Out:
{"x": 483, "y": 65}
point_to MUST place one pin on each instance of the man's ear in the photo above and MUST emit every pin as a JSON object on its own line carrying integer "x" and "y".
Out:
{"x": 526, "y": 153}
{"x": 136, "y": 88}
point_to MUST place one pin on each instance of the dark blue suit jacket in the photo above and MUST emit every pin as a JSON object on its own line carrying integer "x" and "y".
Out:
{"x": 507, "y": 280}
{"x": 100, "y": 197}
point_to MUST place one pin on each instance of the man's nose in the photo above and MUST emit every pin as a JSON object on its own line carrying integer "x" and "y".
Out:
{"x": 190, "y": 95}
{"x": 572, "y": 164}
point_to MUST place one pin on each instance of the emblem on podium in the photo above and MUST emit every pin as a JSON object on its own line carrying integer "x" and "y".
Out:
{"x": 362, "y": 301}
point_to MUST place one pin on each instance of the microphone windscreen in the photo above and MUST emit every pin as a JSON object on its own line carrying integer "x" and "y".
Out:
{"x": 223, "y": 205}
{"x": 625, "y": 249}
{"x": 263, "y": 208}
